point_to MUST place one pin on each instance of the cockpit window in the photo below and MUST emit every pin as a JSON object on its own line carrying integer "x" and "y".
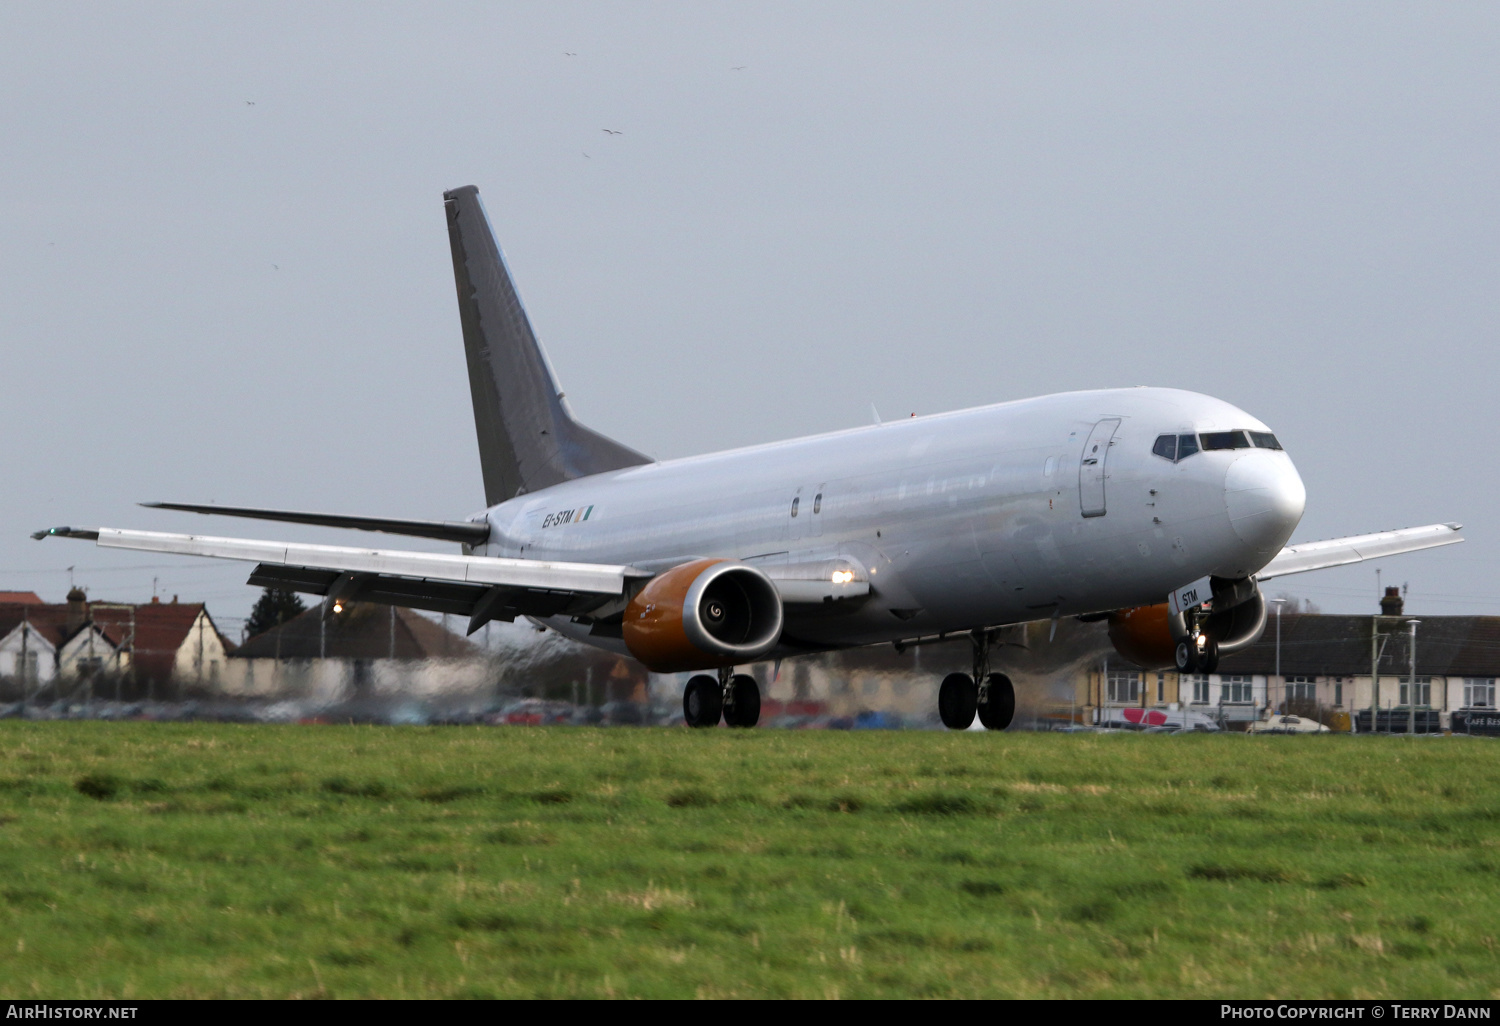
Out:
{"x": 1264, "y": 440}
{"x": 1224, "y": 440}
{"x": 1175, "y": 447}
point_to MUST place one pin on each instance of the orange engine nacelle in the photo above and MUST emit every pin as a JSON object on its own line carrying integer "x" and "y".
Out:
{"x": 1144, "y": 636}
{"x": 701, "y": 615}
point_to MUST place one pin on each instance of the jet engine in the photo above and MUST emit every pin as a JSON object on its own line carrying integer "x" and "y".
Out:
{"x": 703, "y": 614}
{"x": 1233, "y": 620}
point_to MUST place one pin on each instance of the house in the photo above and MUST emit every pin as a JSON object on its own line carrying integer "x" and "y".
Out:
{"x": 114, "y": 649}
{"x": 363, "y": 650}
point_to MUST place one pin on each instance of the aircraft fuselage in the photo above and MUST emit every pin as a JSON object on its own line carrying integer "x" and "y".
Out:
{"x": 980, "y": 517}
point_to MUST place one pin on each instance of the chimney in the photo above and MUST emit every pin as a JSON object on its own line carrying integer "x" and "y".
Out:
{"x": 1391, "y": 604}
{"x": 78, "y": 610}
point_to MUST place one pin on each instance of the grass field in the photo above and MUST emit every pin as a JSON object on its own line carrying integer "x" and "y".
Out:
{"x": 181, "y": 860}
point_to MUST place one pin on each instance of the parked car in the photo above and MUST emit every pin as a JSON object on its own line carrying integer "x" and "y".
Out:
{"x": 1288, "y": 724}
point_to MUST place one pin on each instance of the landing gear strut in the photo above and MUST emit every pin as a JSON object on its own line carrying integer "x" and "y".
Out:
{"x": 993, "y": 697}
{"x": 735, "y": 697}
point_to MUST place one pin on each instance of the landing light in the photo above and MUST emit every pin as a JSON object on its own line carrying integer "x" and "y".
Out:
{"x": 843, "y": 576}
{"x": 338, "y": 607}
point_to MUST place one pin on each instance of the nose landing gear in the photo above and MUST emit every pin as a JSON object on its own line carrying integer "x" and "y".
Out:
{"x": 734, "y": 697}
{"x": 993, "y": 698}
{"x": 1196, "y": 653}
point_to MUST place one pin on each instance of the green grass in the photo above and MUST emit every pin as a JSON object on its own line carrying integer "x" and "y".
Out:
{"x": 181, "y": 860}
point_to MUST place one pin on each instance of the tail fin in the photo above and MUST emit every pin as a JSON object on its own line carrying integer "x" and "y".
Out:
{"x": 527, "y": 438}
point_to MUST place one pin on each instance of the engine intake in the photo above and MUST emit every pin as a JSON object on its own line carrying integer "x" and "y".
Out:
{"x": 701, "y": 615}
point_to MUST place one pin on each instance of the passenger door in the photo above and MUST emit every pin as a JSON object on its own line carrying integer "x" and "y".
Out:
{"x": 1091, "y": 472}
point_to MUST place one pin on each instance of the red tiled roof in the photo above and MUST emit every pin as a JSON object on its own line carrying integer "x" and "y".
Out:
{"x": 49, "y": 621}
{"x": 24, "y": 598}
{"x": 160, "y": 630}
{"x": 362, "y": 631}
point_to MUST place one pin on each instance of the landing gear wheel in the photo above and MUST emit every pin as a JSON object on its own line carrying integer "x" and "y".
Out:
{"x": 743, "y": 709}
{"x": 999, "y": 705}
{"x": 958, "y": 698}
{"x": 1187, "y": 656}
{"x": 703, "y": 702}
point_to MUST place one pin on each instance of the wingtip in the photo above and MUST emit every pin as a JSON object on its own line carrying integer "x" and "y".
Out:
{"x": 86, "y": 533}
{"x": 1450, "y": 525}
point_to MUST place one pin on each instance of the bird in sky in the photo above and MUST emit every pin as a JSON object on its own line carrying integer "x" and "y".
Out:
{"x": 611, "y": 131}
{"x": 567, "y": 54}
{"x": 741, "y": 67}
{"x": 249, "y": 103}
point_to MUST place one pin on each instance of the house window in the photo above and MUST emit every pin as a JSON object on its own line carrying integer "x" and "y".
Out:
{"x": 28, "y": 666}
{"x": 88, "y": 665}
{"x": 1124, "y": 686}
{"x": 1301, "y": 689}
{"x": 1200, "y": 689}
{"x": 1338, "y": 691}
{"x": 1479, "y": 692}
{"x": 1236, "y": 689}
{"x": 1161, "y": 688}
{"x": 1424, "y": 692}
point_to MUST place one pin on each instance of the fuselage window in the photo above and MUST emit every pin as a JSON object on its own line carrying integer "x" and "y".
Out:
{"x": 1186, "y": 446}
{"x": 1264, "y": 440}
{"x": 1224, "y": 440}
{"x": 818, "y": 503}
{"x": 794, "y": 506}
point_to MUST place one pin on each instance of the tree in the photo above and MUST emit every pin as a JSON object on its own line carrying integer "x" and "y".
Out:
{"x": 275, "y": 607}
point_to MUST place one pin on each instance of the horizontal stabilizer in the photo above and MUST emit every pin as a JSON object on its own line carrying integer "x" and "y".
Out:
{"x": 1319, "y": 555}
{"x": 463, "y": 531}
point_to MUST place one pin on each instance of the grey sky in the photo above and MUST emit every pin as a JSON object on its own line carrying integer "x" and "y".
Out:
{"x": 224, "y": 271}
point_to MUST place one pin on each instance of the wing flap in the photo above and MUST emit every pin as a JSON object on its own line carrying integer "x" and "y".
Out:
{"x": 1319, "y": 555}
{"x": 423, "y": 593}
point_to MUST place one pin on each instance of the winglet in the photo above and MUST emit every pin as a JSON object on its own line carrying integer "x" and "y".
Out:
{"x": 86, "y": 533}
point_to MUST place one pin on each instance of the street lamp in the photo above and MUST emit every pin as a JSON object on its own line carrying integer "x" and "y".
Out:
{"x": 1279, "y": 602}
{"x": 1411, "y": 688}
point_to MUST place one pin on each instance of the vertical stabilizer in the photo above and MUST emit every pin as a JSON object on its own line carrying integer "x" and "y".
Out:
{"x": 527, "y": 438}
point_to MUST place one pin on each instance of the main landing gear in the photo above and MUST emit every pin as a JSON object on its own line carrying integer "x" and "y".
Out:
{"x": 993, "y": 698}
{"x": 733, "y": 696}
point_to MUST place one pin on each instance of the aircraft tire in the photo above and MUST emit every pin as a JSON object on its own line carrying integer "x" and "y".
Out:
{"x": 999, "y": 706}
{"x": 958, "y": 700}
{"x": 1208, "y": 659}
{"x": 1186, "y": 657}
{"x": 702, "y": 702}
{"x": 744, "y": 710}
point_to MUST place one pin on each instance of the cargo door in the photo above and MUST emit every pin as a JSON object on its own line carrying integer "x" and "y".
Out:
{"x": 1093, "y": 470}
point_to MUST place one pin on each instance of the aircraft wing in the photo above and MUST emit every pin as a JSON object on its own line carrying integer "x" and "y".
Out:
{"x": 480, "y": 587}
{"x": 1296, "y": 559}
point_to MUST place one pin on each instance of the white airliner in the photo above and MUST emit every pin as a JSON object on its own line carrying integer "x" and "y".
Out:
{"x": 1157, "y": 509}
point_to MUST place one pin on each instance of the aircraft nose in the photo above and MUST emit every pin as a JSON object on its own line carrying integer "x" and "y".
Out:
{"x": 1265, "y": 497}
